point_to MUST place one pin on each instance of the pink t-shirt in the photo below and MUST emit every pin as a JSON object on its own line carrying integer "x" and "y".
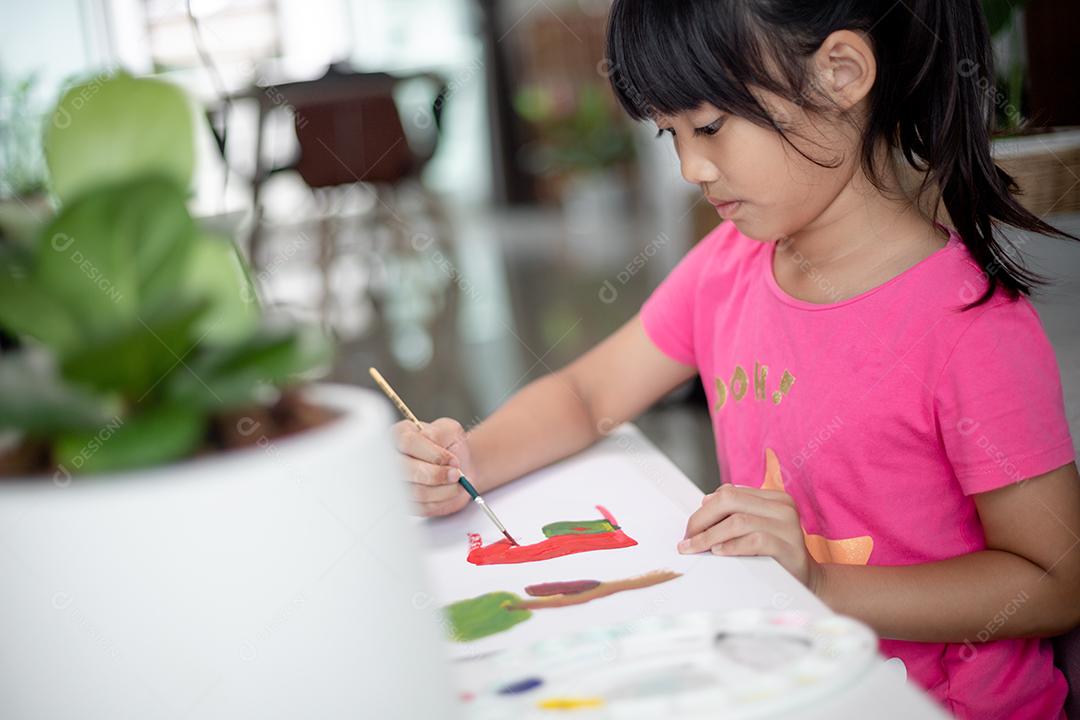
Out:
{"x": 887, "y": 411}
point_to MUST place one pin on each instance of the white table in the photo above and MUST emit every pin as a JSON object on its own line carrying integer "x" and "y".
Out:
{"x": 882, "y": 692}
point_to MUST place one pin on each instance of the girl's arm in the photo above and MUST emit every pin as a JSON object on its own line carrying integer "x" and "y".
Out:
{"x": 568, "y": 410}
{"x": 1026, "y": 583}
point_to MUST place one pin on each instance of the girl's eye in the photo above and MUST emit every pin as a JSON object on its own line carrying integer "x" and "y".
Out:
{"x": 712, "y": 128}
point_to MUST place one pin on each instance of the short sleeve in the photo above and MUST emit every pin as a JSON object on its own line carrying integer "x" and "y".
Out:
{"x": 668, "y": 314}
{"x": 999, "y": 403}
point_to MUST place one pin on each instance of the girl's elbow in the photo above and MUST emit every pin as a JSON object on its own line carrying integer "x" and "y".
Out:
{"x": 1056, "y": 622}
{"x": 1071, "y": 613}
{"x": 1065, "y": 615}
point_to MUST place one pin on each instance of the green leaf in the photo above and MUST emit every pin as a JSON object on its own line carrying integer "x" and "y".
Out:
{"x": 38, "y": 402}
{"x": 217, "y": 273}
{"x": 237, "y": 375}
{"x": 118, "y": 128}
{"x": 137, "y": 360}
{"x": 157, "y": 436}
{"x": 28, "y": 311}
{"x": 535, "y": 104}
{"x": 999, "y": 13}
{"x": 117, "y": 254}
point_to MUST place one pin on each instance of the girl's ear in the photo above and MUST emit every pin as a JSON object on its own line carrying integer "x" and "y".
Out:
{"x": 846, "y": 68}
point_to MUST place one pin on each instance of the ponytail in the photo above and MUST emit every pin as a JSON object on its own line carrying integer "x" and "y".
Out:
{"x": 943, "y": 119}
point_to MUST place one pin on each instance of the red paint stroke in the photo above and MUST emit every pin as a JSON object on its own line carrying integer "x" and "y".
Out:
{"x": 503, "y": 553}
{"x": 566, "y": 587}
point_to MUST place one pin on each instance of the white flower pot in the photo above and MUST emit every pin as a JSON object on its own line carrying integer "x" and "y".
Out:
{"x": 281, "y": 581}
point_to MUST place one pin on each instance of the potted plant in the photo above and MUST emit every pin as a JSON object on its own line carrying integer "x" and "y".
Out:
{"x": 189, "y": 527}
{"x": 583, "y": 151}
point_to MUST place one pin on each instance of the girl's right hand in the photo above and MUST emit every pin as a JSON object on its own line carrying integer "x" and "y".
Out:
{"x": 434, "y": 460}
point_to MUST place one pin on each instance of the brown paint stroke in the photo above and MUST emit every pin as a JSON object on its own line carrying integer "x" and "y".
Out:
{"x": 602, "y": 590}
{"x": 568, "y": 587}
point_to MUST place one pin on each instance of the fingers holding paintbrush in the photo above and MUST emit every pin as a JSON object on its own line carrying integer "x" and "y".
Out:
{"x": 433, "y": 467}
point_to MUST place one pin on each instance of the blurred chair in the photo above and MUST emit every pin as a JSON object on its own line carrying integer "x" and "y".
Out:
{"x": 349, "y": 131}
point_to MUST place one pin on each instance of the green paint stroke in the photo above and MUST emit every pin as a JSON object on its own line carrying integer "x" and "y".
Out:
{"x": 578, "y": 527}
{"x": 483, "y": 615}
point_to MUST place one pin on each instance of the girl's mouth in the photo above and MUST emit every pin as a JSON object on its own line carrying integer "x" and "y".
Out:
{"x": 725, "y": 207}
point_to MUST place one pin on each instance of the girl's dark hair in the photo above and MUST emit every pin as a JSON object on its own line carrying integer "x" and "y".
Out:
{"x": 932, "y": 99}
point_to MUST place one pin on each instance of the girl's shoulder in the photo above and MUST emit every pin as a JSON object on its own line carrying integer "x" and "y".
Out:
{"x": 957, "y": 280}
{"x": 1003, "y": 331}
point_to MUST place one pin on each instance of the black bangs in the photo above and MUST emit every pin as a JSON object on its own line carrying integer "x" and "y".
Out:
{"x": 669, "y": 57}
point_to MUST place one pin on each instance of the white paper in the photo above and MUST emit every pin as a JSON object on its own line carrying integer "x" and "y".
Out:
{"x": 651, "y": 501}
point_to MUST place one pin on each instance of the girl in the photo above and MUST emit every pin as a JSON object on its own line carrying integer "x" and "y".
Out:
{"x": 887, "y": 408}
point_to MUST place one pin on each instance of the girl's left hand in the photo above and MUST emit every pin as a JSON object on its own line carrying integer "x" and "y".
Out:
{"x": 736, "y": 520}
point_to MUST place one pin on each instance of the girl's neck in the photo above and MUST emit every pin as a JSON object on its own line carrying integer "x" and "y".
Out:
{"x": 864, "y": 238}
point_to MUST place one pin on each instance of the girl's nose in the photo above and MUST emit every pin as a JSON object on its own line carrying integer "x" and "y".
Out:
{"x": 697, "y": 169}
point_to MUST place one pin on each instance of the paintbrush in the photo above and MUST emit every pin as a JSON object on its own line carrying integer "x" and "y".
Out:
{"x": 476, "y": 498}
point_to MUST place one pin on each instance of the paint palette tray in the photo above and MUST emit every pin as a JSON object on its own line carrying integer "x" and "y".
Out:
{"x": 736, "y": 664}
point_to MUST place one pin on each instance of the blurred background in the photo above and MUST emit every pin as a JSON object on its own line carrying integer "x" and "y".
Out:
{"x": 448, "y": 186}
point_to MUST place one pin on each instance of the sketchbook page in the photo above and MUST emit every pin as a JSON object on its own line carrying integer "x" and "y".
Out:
{"x": 645, "y": 498}
{"x": 788, "y": 593}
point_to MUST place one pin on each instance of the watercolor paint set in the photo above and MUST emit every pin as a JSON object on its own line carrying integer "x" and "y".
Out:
{"x": 735, "y": 664}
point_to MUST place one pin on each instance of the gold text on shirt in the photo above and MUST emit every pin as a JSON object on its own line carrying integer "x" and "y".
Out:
{"x": 739, "y": 383}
